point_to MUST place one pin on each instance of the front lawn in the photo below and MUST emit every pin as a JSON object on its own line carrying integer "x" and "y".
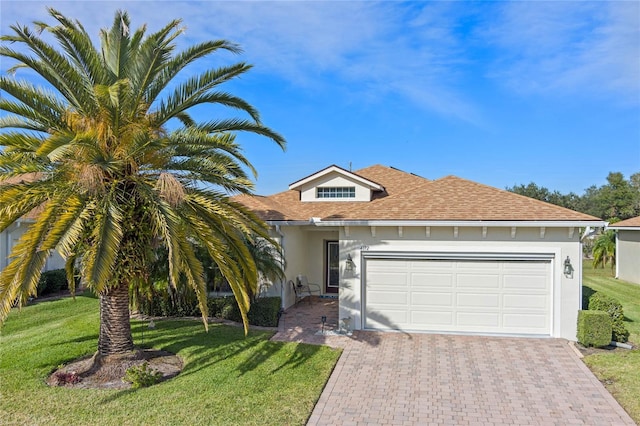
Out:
{"x": 619, "y": 370}
{"x": 227, "y": 378}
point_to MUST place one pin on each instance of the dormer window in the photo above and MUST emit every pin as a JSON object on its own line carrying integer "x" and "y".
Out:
{"x": 336, "y": 192}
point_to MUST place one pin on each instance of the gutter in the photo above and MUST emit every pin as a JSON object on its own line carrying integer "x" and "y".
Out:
{"x": 315, "y": 221}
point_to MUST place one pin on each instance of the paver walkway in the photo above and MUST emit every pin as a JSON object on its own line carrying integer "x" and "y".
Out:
{"x": 423, "y": 379}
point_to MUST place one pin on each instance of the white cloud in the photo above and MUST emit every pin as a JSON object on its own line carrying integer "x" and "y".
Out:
{"x": 420, "y": 52}
{"x": 567, "y": 48}
{"x": 369, "y": 50}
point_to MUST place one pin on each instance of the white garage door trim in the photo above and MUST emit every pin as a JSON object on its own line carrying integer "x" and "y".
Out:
{"x": 457, "y": 297}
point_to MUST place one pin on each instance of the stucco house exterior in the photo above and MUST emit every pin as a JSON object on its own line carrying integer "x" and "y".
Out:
{"x": 402, "y": 252}
{"x": 627, "y": 249}
{"x": 10, "y": 236}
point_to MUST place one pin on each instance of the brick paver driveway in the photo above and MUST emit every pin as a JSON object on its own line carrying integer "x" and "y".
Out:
{"x": 422, "y": 379}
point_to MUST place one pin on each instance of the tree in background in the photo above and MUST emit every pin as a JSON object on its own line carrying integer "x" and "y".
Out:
{"x": 604, "y": 249}
{"x": 111, "y": 155}
{"x": 618, "y": 199}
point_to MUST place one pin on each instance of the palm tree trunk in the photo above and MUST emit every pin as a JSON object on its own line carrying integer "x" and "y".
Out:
{"x": 115, "y": 328}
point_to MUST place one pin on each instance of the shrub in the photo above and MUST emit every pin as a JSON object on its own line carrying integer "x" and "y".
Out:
{"x": 594, "y": 328}
{"x": 52, "y": 282}
{"x": 264, "y": 311}
{"x": 142, "y": 376}
{"x": 169, "y": 303}
{"x": 602, "y": 302}
{"x": 62, "y": 378}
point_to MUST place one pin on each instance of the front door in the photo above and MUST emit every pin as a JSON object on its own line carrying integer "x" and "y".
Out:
{"x": 332, "y": 272}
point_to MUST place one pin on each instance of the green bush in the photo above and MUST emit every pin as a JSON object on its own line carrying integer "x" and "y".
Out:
{"x": 594, "y": 328}
{"x": 52, "y": 282}
{"x": 601, "y": 302}
{"x": 142, "y": 376}
{"x": 164, "y": 302}
{"x": 264, "y": 311}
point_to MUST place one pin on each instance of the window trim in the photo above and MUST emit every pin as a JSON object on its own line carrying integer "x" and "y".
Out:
{"x": 335, "y": 192}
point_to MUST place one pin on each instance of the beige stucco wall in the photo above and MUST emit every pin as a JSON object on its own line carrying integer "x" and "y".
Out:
{"x": 10, "y": 236}
{"x": 556, "y": 242}
{"x": 628, "y": 256}
{"x": 304, "y": 250}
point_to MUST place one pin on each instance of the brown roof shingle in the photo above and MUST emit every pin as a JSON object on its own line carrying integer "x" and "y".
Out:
{"x": 634, "y": 222}
{"x": 411, "y": 197}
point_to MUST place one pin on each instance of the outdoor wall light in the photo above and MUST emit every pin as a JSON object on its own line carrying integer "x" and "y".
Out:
{"x": 350, "y": 265}
{"x": 568, "y": 268}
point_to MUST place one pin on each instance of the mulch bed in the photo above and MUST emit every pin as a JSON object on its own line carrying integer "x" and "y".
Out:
{"x": 107, "y": 372}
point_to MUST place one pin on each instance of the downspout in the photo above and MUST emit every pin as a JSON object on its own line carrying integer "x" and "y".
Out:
{"x": 282, "y": 283}
{"x": 617, "y": 253}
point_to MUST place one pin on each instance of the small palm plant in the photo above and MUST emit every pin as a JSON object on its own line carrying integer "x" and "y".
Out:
{"x": 109, "y": 154}
{"x": 604, "y": 249}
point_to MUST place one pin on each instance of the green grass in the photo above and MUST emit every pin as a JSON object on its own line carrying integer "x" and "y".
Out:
{"x": 626, "y": 293}
{"x": 619, "y": 370}
{"x": 227, "y": 378}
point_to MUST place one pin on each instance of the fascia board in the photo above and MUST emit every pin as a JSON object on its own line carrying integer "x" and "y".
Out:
{"x": 624, "y": 228}
{"x": 462, "y": 223}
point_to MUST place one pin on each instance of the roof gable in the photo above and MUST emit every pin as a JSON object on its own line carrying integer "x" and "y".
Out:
{"x": 333, "y": 169}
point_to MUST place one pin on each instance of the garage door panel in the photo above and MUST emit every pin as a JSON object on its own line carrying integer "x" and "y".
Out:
{"x": 389, "y": 279}
{"x": 478, "y": 281}
{"x": 389, "y": 319}
{"x": 383, "y": 299}
{"x": 535, "y": 267}
{"x": 422, "y": 280}
{"x": 479, "y": 265}
{"x": 473, "y": 320}
{"x": 525, "y": 301}
{"x": 432, "y": 265}
{"x": 440, "y": 318}
{"x": 478, "y": 300}
{"x": 536, "y": 323}
{"x": 428, "y": 300}
{"x": 525, "y": 282}
{"x": 490, "y": 296}
{"x": 390, "y": 265}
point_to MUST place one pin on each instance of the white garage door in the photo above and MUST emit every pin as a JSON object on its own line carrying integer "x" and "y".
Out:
{"x": 477, "y": 296}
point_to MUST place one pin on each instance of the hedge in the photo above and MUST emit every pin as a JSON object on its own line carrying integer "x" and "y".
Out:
{"x": 52, "y": 281}
{"x": 594, "y": 328}
{"x": 264, "y": 311}
{"x": 601, "y": 302}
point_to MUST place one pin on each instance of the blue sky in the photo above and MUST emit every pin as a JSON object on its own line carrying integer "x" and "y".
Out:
{"x": 501, "y": 93}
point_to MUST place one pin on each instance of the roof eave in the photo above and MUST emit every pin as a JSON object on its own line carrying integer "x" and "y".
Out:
{"x": 463, "y": 223}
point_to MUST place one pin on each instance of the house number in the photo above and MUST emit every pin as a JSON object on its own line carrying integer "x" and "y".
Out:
{"x": 364, "y": 247}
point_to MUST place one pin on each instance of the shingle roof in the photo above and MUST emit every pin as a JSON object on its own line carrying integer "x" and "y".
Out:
{"x": 411, "y": 197}
{"x": 27, "y": 177}
{"x": 634, "y": 222}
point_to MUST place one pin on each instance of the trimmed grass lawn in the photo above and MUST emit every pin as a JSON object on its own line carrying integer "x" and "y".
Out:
{"x": 227, "y": 378}
{"x": 619, "y": 370}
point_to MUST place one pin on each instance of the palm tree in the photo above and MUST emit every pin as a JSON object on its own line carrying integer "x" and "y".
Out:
{"x": 604, "y": 249}
{"x": 110, "y": 153}
{"x": 268, "y": 258}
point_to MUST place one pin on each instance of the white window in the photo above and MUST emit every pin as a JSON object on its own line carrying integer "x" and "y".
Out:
{"x": 336, "y": 192}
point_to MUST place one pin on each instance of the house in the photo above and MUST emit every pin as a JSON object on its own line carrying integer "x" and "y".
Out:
{"x": 627, "y": 249}
{"x": 10, "y": 236}
{"x": 402, "y": 252}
